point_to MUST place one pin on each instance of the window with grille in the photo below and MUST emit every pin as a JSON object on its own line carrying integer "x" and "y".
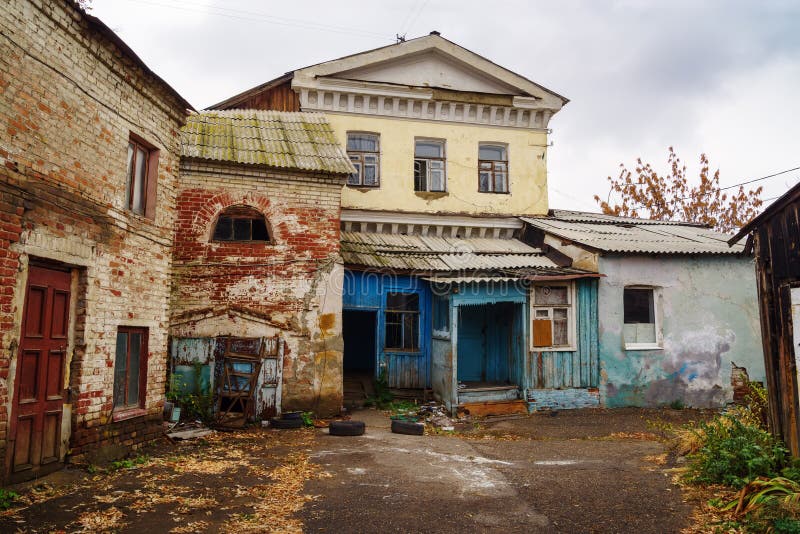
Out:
{"x": 429, "y": 166}
{"x": 364, "y": 152}
{"x": 492, "y": 168}
{"x": 402, "y": 322}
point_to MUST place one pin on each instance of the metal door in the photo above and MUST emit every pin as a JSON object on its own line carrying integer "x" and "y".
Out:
{"x": 37, "y": 408}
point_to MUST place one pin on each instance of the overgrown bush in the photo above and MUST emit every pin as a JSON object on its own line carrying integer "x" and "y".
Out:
{"x": 734, "y": 453}
{"x": 194, "y": 403}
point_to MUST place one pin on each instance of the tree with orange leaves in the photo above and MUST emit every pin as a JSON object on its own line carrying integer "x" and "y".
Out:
{"x": 647, "y": 194}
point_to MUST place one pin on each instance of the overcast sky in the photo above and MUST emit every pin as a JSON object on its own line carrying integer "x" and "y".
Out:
{"x": 716, "y": 77}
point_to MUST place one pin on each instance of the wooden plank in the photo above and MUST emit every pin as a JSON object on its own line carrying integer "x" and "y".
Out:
{"x": 483, "y": 409}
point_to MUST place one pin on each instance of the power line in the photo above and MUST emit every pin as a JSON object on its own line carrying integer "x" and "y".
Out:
{"x": 732, "y": 186}
{"x": 414, "y": 19}
{"x": 240, "y": 14}
{"x": 759, "y": 179}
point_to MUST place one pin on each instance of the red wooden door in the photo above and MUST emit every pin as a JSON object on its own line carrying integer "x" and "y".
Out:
{"x": 39, "y": 385}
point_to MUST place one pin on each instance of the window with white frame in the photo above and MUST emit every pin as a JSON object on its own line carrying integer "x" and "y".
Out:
{"x": 641, "y": 329}
{"x": 429, "y": 165}
{"x": 492, "y": 168}
{"x": 364, "y": 152}
{"x": 553, "y": 316}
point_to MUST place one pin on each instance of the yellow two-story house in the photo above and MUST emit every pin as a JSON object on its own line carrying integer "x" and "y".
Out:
{"x": 449, "y": 150}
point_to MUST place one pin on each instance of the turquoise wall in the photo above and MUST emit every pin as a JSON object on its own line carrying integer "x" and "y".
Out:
{"x": 709, "y": 311}
{"x": 572, "y": 368}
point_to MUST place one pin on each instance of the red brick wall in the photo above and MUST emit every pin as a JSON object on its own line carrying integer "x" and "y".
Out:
{"x": 69, "y": 100}
{"x": 287, "y": 283}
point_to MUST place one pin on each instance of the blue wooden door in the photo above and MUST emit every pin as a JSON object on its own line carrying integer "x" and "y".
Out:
{"x": 472, "y": 344}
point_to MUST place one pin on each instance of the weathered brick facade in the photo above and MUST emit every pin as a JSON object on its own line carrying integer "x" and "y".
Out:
{"x": 71, "y": 94}
{"x": 290, "y": 287}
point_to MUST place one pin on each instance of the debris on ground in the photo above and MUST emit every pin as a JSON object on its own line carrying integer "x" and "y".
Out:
{"x": 188, "y": 431}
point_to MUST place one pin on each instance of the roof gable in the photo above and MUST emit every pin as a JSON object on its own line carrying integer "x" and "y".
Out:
{"x": 429, "y": 61}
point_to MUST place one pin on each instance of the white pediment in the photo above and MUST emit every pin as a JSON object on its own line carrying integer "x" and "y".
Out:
{"x": 430, "y": 69}
{"x": 429, "y": 61}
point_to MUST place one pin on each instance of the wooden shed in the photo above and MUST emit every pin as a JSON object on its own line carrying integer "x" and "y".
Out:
{"x": 774, "y": 236}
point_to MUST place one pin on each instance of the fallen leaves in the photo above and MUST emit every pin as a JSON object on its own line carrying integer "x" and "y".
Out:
{"x": 107, "y": 520}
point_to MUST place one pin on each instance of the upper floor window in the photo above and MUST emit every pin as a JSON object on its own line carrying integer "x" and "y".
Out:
{"x": 241, "y": 223}
{"x": 429, "y": 168}
{"x": 364, "y": 152}
{"x": 492, "y": 168}
{"x": 141, "y": 177}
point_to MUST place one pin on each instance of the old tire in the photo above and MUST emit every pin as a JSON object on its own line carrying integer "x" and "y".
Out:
{"x": 408, "y": 427}
{"x": 346, "y": 428}
{"x": 286, "y": 416}
{"x": 284, "y": 424}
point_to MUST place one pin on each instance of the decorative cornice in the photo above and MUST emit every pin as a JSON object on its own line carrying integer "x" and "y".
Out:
{"x": 367, "y": 98}
{"x": 429, "y": 225}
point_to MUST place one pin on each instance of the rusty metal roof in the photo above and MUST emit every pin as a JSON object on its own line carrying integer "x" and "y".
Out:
{"x": 625, "y": 234}
{"x": 429, "y": 254}
{"x": 289, "y": 140}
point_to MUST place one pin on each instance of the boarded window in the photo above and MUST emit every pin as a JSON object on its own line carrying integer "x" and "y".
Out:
{"x": 552, "y": 315}
{"x": 639, "y": 316}
{"x": 441, "y": 313}
{"x": 402, "y": 321}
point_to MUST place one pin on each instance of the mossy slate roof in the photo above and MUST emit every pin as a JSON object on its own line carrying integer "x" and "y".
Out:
{"x": 285, "y": 140}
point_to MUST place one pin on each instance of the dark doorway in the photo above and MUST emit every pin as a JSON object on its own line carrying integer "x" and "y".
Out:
{"x": 39, "y": 388}
{"x": 359, "y": 332}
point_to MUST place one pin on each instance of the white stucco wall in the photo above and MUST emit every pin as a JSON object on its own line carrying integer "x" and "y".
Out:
{"x": 709, "y": 318}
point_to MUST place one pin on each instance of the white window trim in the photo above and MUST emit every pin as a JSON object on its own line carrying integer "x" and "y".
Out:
{"x": 361, "y": 170}
{"x": 657, "y": 297}
{"x": 444, "y": 165}
{"x": 507, "y": 162}
{"x": 572, "y": 333}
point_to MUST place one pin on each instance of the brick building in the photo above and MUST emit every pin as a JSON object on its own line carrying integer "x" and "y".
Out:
{"x": 257, "y": 249}
{"x": 89, "y": 142}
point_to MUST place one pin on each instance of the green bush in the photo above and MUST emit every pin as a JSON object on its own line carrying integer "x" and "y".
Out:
{"x": 734, "y": 453}
{"x": 7, "y": 498}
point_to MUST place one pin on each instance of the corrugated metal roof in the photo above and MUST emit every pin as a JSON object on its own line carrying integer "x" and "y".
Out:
{"x": 426, "y": 253}
{"x": 625, "y": 234}
{"x": 290, "y": 140}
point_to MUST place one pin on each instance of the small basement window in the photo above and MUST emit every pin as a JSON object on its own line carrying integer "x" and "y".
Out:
{"x": 241, "y": 223}
{"x": 641, "y": 329}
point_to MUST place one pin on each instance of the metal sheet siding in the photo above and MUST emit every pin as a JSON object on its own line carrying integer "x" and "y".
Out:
{"x": 578, "y": 368}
